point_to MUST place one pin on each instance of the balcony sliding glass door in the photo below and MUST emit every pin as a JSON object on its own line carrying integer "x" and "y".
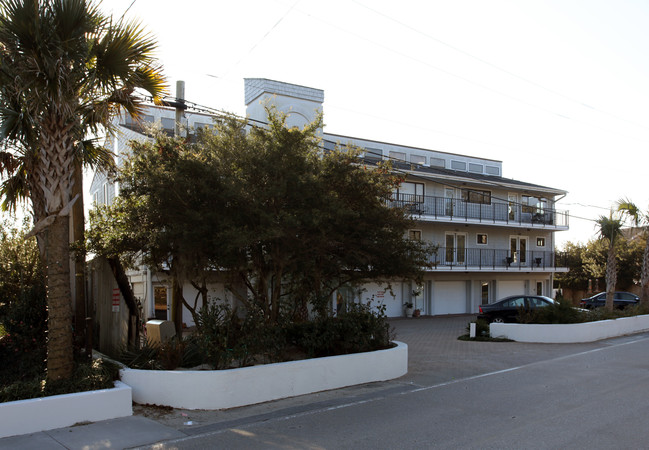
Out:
{"x": 455, "y": 248}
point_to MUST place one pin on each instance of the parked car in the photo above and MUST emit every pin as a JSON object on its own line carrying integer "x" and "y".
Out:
{"x": 620, "y": 301}
{"x": 506, "y": 310}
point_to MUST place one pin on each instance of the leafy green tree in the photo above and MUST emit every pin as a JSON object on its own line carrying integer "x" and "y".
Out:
{"x": 266, "y": 209}
{"x": 639, "y": 218}
{"x": 164, "y": 217}
{"x": 578, "y": 272}
{"x": 66, "y": 68}
{"x": 297, "y": 223}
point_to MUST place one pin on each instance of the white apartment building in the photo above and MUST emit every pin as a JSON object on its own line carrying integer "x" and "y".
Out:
{"x": 495, "y": 235}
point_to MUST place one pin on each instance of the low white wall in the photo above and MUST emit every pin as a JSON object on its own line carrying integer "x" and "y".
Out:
{"x": 567, "y": 333}
{"x": 220, "y": 389}
{"x": 57, "y": 411}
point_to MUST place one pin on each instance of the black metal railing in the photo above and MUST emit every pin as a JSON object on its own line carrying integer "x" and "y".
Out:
{"x": 478, "y": 258}
{"x": 494, "y": 212}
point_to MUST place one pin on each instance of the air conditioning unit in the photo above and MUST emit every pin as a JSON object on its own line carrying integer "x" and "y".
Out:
{"x": 159, "y": 331}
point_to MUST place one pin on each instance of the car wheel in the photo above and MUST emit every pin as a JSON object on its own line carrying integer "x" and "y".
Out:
{"x": 498, "y": 320}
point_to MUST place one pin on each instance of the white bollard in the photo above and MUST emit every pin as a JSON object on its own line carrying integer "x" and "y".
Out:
{"x": 472, "y": 330}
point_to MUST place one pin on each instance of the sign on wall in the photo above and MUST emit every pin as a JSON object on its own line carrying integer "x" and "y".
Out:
{"x": 116, "y": 300}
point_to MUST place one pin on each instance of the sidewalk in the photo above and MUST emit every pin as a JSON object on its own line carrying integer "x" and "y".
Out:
{"x": 435, "y": 356}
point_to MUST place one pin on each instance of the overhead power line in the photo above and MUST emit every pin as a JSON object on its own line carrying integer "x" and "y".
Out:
{"x": 494, "y": 66}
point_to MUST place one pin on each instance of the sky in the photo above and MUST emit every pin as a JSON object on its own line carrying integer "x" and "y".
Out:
{"x": 556, "y": 89}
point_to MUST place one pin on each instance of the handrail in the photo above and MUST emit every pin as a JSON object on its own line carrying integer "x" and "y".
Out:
{"x": 486, "y": 258}
{"x": 494, "y": 212}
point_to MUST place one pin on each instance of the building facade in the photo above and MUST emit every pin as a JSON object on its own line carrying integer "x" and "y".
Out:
{"x": 494, "y": 236}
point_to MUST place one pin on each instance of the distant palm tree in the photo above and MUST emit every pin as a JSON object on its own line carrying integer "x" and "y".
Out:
{"x": 65, "y": 70}
{"x": 610, "y": 228}
{"x": 639, "y": 218}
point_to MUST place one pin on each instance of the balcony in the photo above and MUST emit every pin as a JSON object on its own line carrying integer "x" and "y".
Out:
{"x": 441, "y": 209}
{"x": 477, "y": 259}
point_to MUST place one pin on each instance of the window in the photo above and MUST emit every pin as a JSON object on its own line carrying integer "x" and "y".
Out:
{"x": 160, "y": 300}
{"x": 373, "y": 153}
{"x": 437, "y": 162}
{"x": 458, "y": 165}
{"x": 485, "y": 292}
{"x": 414, "y": 235}
{"x": 475, "y": 168}
{"x": 493, "y": 170}
{"x": 168, "y": 123}
{"x": 481, "y": 239}
{"x": 398, "y": 155}
{"x": 534, "y": 205}
{"x": 479, "y": 197}
{"x": 411, "y": 192}
{"x": 515, "y": 303}
{"x": 417, "y": 159}
{"x": 540, "y": 242}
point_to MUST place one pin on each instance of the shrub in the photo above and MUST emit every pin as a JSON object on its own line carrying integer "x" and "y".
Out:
{"x": 359, "y": 329}
{"x": 87, "y": 376}
{"x": 557, "y": 313}
{"x": 22, "y": 347}
{"x": 166, "y": 356}
{"x": 23, "y": 311}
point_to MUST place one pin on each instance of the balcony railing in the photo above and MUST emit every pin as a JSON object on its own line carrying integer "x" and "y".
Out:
{"x": 495, "y": 212}
{"x": 505, "y": 259}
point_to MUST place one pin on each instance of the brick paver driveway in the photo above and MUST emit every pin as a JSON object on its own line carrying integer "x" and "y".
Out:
{"x": 435, "y": 355}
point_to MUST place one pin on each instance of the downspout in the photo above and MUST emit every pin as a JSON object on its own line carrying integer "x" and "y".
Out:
{"x": 554, "y": 249}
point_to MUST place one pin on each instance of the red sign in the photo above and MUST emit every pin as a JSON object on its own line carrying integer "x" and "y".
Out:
{"x": 116, "y": 300}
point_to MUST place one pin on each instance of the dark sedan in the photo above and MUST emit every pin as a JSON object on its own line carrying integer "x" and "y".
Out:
{"x": 620, "y": 300}
{"x": 506, "y": 310}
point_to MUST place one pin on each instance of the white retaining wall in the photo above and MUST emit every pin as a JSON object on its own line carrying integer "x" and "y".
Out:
{"x": 220, "y": 389}
{"x": 567, "y": 333}
{"x": 58, "y": 411}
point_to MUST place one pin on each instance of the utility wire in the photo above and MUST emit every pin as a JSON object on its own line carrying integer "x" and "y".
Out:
{"x": 469, "y": 81}
{"x": 483, "y": 61}
{"x": 261, "y": 40}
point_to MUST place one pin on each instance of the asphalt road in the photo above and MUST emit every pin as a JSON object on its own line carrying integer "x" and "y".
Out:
{"x": 594, "y": 396}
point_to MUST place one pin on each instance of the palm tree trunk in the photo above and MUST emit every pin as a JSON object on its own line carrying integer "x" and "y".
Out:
{"x": 55, "y": 173}
{"x": 79, "y": 260}
{"x": 611, "y": 277}
{"x": 60, "y": 361}
{"x": 644, "y": 278}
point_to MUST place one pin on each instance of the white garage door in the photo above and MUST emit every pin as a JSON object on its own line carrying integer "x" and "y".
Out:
{"x": 449, "y": 297}
{"x": 507, "y": 288}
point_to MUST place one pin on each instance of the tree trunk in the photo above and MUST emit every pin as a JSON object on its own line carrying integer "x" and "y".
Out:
{"x": 611, "y": 277}
{"x": 52, "y": 191}
{"x": 177, "y": 306}
{"x": 79, "y": 260}
{"x": 60, "y": 361}
{"x": 644, "y": 278}
{"x": 129, "y": 298}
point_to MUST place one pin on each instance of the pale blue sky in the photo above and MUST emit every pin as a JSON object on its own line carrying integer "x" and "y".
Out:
{"x": 557, "y": 90}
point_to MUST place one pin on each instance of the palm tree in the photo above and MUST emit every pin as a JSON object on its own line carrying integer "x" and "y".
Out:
{"x": 639, "y": 217}
{"x": 610, "y": 228}
{"x": 65, "y": 70}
